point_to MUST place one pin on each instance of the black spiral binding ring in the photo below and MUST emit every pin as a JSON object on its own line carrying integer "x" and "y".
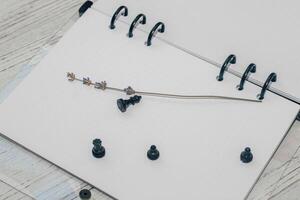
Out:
{"x": 298, "y": 116}
{"x": 139, "y": 19}
{"x": 159, "y": 27}
{"x": 271, "y": 78}
{"x": 84, "y": 7}
{"x": 122, "y": 10}
{"x": 231, "y": 59}
{"x": 250, "y": 69}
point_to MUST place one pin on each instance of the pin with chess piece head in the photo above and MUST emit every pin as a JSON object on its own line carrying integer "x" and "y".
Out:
{"x": 153, "y": 153}
{"x": 85, "y": 194}
{"x": 246, "y": 155}
{"x": 124, "y": 104}
{"x": 98, "y": 150}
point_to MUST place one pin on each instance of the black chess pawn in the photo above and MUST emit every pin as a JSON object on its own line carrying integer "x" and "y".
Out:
{"x": 246, "y": 155}
{"x": 85, "y": 194}
{"x": 124, "y": 104}
{"x": 98, "y": 149}
{"x": 153, "y": 153}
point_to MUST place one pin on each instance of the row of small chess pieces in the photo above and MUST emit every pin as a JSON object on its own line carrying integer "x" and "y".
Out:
{"x": 98, "y": 151}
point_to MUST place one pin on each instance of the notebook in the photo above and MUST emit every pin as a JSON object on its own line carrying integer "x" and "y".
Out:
{"x": 262, "y": 32}
{"x": 200, "y": 141}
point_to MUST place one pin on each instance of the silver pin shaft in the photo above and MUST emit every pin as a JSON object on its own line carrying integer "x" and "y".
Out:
{"x": 129, "y": 91}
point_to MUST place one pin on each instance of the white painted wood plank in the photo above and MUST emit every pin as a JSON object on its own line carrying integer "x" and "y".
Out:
{"x": 267, "y": 185}
{"x": 26, "y": 26}
{"x": 288, "y": 186}
{"x": 10, "y": 193}
{"x": 36, "y": 177}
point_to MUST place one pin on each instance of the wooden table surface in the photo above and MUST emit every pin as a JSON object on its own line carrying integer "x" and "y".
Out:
{"x": 29, "y": 27}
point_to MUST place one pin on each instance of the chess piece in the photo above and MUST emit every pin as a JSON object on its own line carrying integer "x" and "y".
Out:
{"x": 124, "y": 104}
{"x": 85, "y": 194}
{"x": 98, "y": 149}
{"x": 246, "y": 155}
{"x": 153, "y": 153}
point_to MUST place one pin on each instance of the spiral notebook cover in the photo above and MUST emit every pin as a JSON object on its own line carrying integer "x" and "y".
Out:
{"x": 262, "y": 32}
{"x": 199, "y": 141}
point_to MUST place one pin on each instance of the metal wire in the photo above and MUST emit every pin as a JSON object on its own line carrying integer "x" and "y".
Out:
{"x": 129, "y": 91}
{"x": 177, "y": 96}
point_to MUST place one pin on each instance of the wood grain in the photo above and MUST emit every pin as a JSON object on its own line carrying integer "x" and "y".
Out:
{"x": 28, "y": 26}
{"x": 25, "y": 27}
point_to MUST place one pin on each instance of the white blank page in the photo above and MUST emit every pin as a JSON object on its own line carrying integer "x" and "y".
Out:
{"x": 264, "y": 32}
{"x": 200, "y": 141}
